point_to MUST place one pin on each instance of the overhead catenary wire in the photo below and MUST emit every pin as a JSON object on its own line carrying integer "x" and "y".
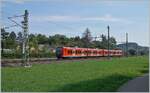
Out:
{"x": 7, "y": 27}
{"x": 10, "y": 18}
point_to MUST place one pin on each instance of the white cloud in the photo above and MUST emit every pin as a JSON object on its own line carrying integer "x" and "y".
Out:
{"x": 57, "y": 18}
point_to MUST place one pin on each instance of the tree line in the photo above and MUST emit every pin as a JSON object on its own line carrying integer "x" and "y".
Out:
{"x": 41, "y": 44}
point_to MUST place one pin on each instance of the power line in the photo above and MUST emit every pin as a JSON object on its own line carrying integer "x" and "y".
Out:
{"x": 7, "y": 27}
{"x": 10, "y": 18}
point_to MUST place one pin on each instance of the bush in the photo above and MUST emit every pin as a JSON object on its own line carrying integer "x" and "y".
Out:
{"x": 11, "y": 55}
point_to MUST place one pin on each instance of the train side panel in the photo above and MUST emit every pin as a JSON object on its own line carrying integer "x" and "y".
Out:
{"x": 63, "y": 52}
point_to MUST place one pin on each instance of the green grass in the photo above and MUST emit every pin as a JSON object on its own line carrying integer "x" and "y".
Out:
{"x": 74, "y": 76}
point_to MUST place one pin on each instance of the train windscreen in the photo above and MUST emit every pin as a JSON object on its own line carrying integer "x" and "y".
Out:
{"x": 58, "y": 52}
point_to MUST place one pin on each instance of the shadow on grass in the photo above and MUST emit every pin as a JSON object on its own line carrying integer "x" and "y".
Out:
{"x": 144, "y": 71}
{"x": 110, "y": 83}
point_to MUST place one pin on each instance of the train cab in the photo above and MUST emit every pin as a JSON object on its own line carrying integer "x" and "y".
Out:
{"x": 59, "y": 52}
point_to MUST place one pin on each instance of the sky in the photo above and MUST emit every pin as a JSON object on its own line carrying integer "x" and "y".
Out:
{"x": 72, "y": 17}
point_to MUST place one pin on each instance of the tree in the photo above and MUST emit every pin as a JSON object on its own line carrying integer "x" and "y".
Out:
{"x": 11, "y": 41}
{"x": 33, "y": 43}
{"x": 8, "y": 40}
{"x": 19, "y": 37}
{"x": 78, "y": 41}
{"x": 87, "y": 38}
{"x": 96, "y": 44}
{"x": 42, "y": 39}
{"x": 104, "y": 42}
{"x": 58, "y": 40}
{"x": 4, "y": 36}
{"x": 12, "y": 35}
{"x": 112, "y": 43}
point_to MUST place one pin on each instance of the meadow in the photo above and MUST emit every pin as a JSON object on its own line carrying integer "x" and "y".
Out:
{"x": 106, "y": 75}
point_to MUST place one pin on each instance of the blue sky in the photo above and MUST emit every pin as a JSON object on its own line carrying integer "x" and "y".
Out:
{"x": 72, "y": 17}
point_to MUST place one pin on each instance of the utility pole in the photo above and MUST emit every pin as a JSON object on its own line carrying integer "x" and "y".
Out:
{"x": 126, "y": 44}
{"x": 137, "y": 50}
{"x": 25, "y": 46}
{"x": 25, "y": 50}
{"x": 108, "y": 42}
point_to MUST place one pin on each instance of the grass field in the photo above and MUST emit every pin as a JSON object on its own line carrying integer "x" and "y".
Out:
{"x": 74, "y": 76}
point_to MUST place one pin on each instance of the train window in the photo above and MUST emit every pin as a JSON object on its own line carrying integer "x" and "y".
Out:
{"x": 70, "y": 52}
{"x": 101, "y": 52}
{"x": 95, "y": 52}
{"x": 110, "y": 52}
{"x": 89, "y": 52}
{"x": 76, "y": 52}
{"x": 79, "y": 51}
{"x": 84, "y": 52}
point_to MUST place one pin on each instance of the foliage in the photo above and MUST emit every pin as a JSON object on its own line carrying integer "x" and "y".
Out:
{"x": 4, "y": 36}
{"x": 87, "y": 38}
{"x": 14, "y": 42}
{"x": 12, "y": 35}
{"x": 91, "y": 75}
{"x": 11, "y": 55}
{"x": 58, "y": 40}
{"x": 42, "y": 39}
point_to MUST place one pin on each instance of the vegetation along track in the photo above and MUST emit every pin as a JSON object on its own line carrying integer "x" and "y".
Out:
{"x": 18, "y": 62}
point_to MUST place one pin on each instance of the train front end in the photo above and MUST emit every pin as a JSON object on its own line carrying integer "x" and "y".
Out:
{"x": 59, "y": 52}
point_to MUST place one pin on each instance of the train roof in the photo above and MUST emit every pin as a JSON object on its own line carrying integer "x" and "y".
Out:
{"x": 90, "y": 48}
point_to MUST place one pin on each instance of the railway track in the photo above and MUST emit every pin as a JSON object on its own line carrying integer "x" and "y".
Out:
{"x": 18, "y": 62}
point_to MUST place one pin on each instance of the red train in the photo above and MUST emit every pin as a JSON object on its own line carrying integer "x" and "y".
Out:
{"x": 65, "y": 52}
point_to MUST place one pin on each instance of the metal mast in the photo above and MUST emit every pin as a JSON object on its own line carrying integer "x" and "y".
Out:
{"x": 127, "y": 44}
{"x": 25, "y": 50}
{"x": 108, "y": 42}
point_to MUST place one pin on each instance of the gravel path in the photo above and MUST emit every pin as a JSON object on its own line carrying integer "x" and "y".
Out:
{"x": 139, "y": 84}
